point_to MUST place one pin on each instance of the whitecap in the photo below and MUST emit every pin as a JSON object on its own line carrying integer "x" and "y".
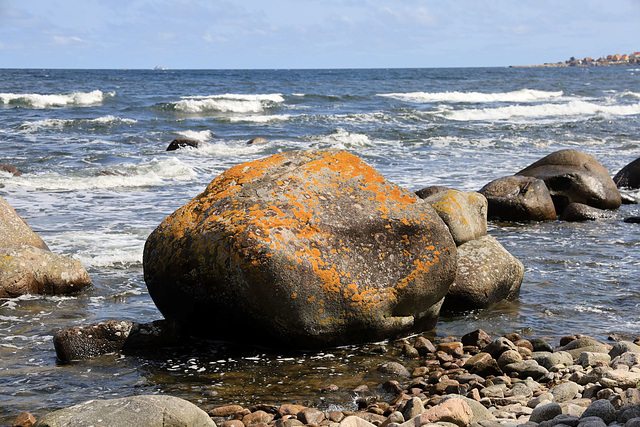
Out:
{"x": 547, "y": 110}
{"x": 61, "y": 123}
{"x": 261, "y": 119}
{"x": 224, "y": 149}
{"x": 202, "y": 135}
{"x": 523, "y": 95}
{"x": 228, "y": 103}
{"x": 36, "y": 100}
{"x": 343, "y": 139}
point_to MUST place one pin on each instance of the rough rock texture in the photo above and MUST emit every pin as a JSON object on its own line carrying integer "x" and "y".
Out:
{"x": 465, "y": 213}
{"x": 142, "y": 411}
{"x": 31, "y": 270}
{"x": 14, "y": 230}
{"x": 455, "y": 411}
{"x": 629, "y": 176}
{"x": 576, "y": 212}
{"x": 182, "y": 143}
{"x": 519, "y": 198}
{"x": 303, "y": 248}
{"x": 431, "y": 190}
{"x": 575, "y": 177}
{"x": 84, "y": 342}
{"x": 487, "y": 274}
{"x": 9, "y": 169}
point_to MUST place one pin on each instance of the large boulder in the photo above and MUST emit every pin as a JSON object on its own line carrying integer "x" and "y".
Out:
{"x": 465, "y": 213}
{"x": 31, "y": 270}
{"x": 304, "y": 248}
{"x": 629, "y": 176}
{"x": 519, "y": 198}
{"x": 487, "y": 274}
{"x": 575, "y": 177}
{"x": 14, "y": 230}
{"x": 141, "y": 411}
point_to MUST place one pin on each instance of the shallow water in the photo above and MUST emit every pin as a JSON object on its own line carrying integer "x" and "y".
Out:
{"x": 96, "y": 181}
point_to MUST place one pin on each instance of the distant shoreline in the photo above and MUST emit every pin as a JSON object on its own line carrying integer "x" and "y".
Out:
{"x": 608, "y": 61}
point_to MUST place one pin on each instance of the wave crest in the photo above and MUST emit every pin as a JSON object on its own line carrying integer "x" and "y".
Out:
{"x": 523, "y": 95}
{"x": 227, "y": 103}
{"x": 40, "y": 101}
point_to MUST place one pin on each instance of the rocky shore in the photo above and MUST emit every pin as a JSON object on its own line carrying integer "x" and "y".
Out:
{"x": 475, "y": 380}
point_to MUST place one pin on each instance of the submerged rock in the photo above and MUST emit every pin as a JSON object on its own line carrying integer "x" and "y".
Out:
{"x": 182, "y": 143}
{"x": 257, "y": 140}
{"x": 579, "y": 212}
{"x": 14, "y": 230}
{"x": 143, "y": 411}
{"x": 519, "y": 198}
{"x": 575, "y": 177}
{"x": 487, "y": 274}
{"x": 304, "y": 248}
{"x": 31, "y": 270}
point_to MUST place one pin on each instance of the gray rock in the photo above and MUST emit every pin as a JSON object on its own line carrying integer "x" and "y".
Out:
{"x": 548, "y": 359}
{"x": 182, "y": 143}
{"x": 575, "y": 177}
{"x": 487, "y": 274}
{"x": 32, "y": 270}
{"x": 564, "y": 392}
{"x": 561, "y": 420}
{"x": 577, "y": 212}
{"x": 545, "y": 412}
{"x": 499, "y": 346}
{"x": 540, "y": 345}
{"x": 395, "y": 369}
{"x": 591, "y": 422}
{"x": 629, "y": 176}
{"x": 622, "y": 378}
{"x": 592, "y": 359}
{"x": 629, "y": 359}
{"x": 627, "y": 413}
{"x": 480, "y": 412}
{"x": 527, "y": 368}
{"x": 519, "y": 198}
{"x": 633, "y": 422}
{"x": 142, "y": 411}
{"x": 305, "y": 249}
{"x": 465, "y": 213}
{"x": 412, "y": 408}
{"x": 602, "y": 409}
{"x": 14, "y": 230}
{"x": 622, "y": 347}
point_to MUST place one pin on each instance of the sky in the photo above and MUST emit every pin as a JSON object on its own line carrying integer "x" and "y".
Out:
{"x": 283, "y": 34}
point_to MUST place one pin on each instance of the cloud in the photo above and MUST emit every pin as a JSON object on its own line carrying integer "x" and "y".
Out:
{"x": 61, "y": 40}
{"x": 214, "y": 38}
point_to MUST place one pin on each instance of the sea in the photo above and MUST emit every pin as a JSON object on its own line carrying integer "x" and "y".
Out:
{"x": 96, "y": 180}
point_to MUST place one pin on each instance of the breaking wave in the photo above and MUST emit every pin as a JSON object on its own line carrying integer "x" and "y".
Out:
{"x": 227, "y": 103}
{"x": 523, "y": 95}
{"x": 40, "y": 101}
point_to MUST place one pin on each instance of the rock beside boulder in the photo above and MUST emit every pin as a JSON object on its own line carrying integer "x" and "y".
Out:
{"x": 305, "y": 249}
{"x": 577, "y": 212}
{"x": 14, "y": 230}
{"x": 182, "y": 143}
{"x": 431, "y": 190}
{"x": 629, "y": 176}
{"x": 142, "y": 411}
{"x": 519, "y": 198}
{"x": 465, "y": 213}
{"x": 31, "y": 270}
{"x": 575, "y": 177}
{"x": 487, "y": 274}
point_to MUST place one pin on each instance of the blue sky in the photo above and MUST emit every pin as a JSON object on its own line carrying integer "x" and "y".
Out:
{"x": 217, "y": 34}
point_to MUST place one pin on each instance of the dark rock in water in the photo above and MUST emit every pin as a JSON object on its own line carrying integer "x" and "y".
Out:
{"x": 540, "y": 345}
{"x": 181, "y": 143}
{"x": 305, "y": 249}
{"x": 430, "y": 191}
{"x": 31, "y": 270}
{"x": 629, "y": 176}
{"x": 477, "y": 338}
{"x": 9, "y": 169}
{"x": 519, "y": 198}
{"x": 487, "y": 274}
{"x": 578, "y": 212}
{"x": 145, "y": 410}
{"x": 257, "y": 140}
{"x": 465, "y": 213}
{"x": 632, "y": 219}
{"x": 14, "y": 230}
{"x": 629, "y": 199}
{"x": 111, "y": 336}
{"x": 575, "y": 177}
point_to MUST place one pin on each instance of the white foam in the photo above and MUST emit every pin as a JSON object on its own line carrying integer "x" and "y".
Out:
{"x": 100, "y": 249}
{"x": 228, "y": 103}
{"x": 344, "y": 139}
{"x": 36, "y": 100}
{"x": 61, "y": 123}
{"x": 261, "y": 119}
{"x": 202, "y": 135}
{"x": 224, "y": 149}
{"x": 523, "y": 95}
{"x": 547, "y": 110}
{"x": 151, "y": 173}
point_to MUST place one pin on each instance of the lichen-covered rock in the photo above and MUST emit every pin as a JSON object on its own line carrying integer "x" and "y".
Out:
{"x": 465, "y": 213}
{"x": 303, "y": 248}
{"x": 112, "y": 336}
{"x": 629, "y": 176}
{"x": 14, "y": 230}
{"x": 577, "y": 212}
{"x": 143, "y": 411}
{"x": 31, "y": 270}
{"x": 575, "y": 177}
{"x": 487, "y": 274}
{"x": 519, "y": 198}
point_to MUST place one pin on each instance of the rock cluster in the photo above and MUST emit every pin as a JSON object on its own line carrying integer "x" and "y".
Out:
{"x": 28, "y": 266}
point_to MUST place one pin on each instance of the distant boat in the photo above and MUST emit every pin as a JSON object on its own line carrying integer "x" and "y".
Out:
{"x": 157, "y": 67}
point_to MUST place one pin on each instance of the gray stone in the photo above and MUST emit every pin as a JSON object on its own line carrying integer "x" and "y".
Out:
{"x": 545, "y": 412}
{"x": 480, "y": 412}
{"x": 487, "y": 274}
{"x": 592, "y": 359}
{"x": 303, "y": 249}
{"x": 629, "y": 176}
{"x": 629, "y": 359}
{"x": 540, "y": 345}
{"x": 633, "y": 422}
{"x": 564, "y": 392}
{"x": 622, "y": 347}
{"x": 562, "y": 420}
{"x": 519, "y": 198}
{"x": 142, "y": 411}
{"x": 577, "y": 212}
{"x": 499, "y": 346}
{"x": 395, "y": 369}
{"x": 591, "y": 422}
{"x": 14, "y": 230}
{"x": 548, "y": 359}
{"x": 527, "y": 368}
{"x": 465, "y": 213}
{"x": 412, "y": 408}
{"x": 602, "y": 409}
{"x": 620, "y": 378}
{"x": 627, "y": 413}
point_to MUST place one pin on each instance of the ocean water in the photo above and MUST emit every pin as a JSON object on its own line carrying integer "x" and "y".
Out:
{"x": 96, "y": 180}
